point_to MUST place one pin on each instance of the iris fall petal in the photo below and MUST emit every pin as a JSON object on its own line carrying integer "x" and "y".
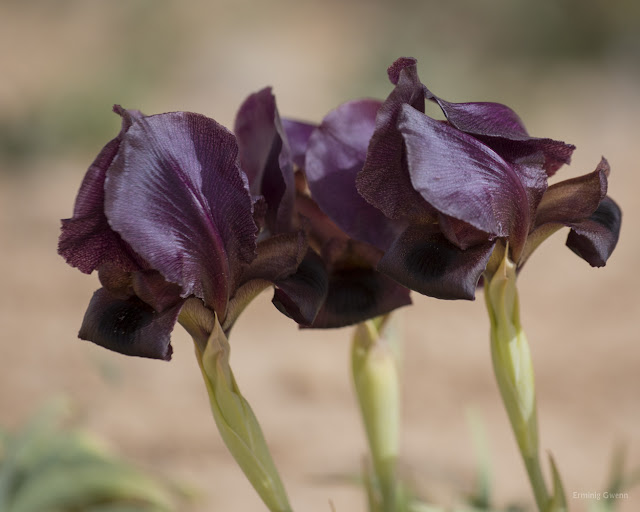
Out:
{"x": 129, "y": 326}
{"x": 595, "y": 238}
{"x": 423, "y": 260}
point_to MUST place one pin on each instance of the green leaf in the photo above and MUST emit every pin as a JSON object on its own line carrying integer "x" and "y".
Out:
{"x": 558, "y": 501}
{"x": 82, "y": 485}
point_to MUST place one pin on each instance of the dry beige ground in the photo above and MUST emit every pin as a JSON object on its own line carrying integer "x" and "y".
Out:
{"x": 582, "y": 324}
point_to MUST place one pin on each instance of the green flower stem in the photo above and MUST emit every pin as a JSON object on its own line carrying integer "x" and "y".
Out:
{"x": 513, "y": 369}
{"x": 238, "y": 425}
{"x": 375, "y": 375}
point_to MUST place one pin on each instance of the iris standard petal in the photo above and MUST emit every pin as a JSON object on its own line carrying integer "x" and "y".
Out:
{"x": 384, "y": 181}
{"x": 176, "y": 195}
{"x": 464, "y": 179}
{"x": 87, "y": 240}
{"x": 298, "y": 134}
{"x": 501, "y": 129}
{"x": 129, "y": 326}
{"x": 423, "y": 260}
{"x": 336, "y": 153}
{"x": 595, "y": 238}
{"x": 266, "y": 158}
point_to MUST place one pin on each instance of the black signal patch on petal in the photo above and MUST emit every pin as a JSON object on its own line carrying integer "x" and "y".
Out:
{"x": 358, "y": 294}
{"x": 425, "y": 261}
{"x": 128, "y": 326}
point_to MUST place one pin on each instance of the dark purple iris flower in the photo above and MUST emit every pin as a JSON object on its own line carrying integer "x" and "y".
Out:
{"x": 165, "y": 214}
{"x": 277, "y": 156}
{"x": 456, "y": 188}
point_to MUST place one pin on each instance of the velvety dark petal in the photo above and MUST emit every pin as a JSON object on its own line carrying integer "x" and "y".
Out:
{"x": 301, "y": 295}
{"x": 574, "y": 199}
{"x": 463, "y": 178}
{"x": 336, "y": 153}
{"x": 87, "y": 240}
{"x": 359, "y": 294}
{"x": 298, "y": 134}
{"x": 423, "y": 260}
{"x": 265, "y": 156}
{"x": 356, "y": 291}
{"x": 384, "y": 180}
{"x": 595, "y": 238}
{"x": 130, "y": 327}
{"x": 176, "y": 195}
{"x": 501, "y": 129}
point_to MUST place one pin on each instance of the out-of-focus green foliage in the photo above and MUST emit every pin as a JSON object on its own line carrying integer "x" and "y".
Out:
{"x": 46, "y": 467}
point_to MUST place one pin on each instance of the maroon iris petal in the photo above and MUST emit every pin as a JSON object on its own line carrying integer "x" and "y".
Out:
{"x": 129, "y": 326}
{"x": 356, "y": 291}
{"x": 266, "y": 158}
{"x": 336, "y": 153}
{"x": 464, "y": 179}
{"x": 150, "y": 287}
{"x": 501, "y": 129}
{"x": 298, "y": 134}
{"x": 301, "y": 294}
{"x": 356, "y": 295}
{"x": 423, "y": 260}
{"x": 87, "y": 240}
{"x": 460, "y": 233}
{"x": 595, "y": 238}
{"x": 384, "y": 181}
{"x": 574, "y": 199}
{"x": 176, "y": 195}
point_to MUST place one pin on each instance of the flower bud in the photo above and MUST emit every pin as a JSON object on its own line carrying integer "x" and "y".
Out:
{"x": 237, "y": 423}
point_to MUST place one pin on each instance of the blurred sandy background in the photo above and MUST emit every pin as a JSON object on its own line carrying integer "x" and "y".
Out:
{"x": 571, "y": 69}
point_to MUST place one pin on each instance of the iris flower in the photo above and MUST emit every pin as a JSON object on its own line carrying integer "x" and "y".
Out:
{"x": 164, "y": 214}
{"x": 278, "y": 156}
{"x": 460, "y": 186}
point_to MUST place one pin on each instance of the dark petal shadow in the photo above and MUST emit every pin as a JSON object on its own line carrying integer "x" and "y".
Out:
{"x": 595, "y": 238}
{"x": 423, "y": 260}
{"x": 129, "y": 327}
